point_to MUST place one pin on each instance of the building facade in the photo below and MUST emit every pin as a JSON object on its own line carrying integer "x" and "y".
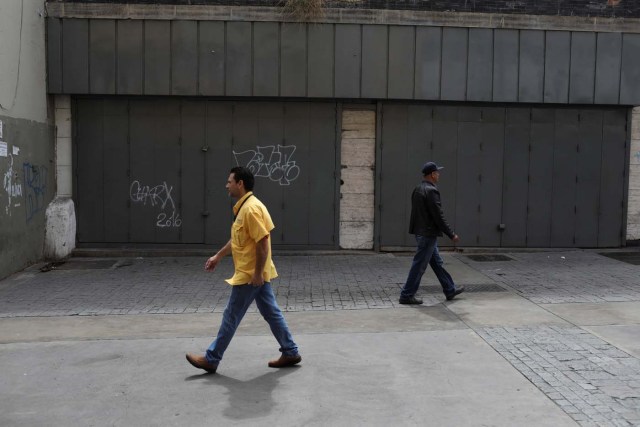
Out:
{"x": 530, "y": 108}
{"x": 531, "y": 116}
{"x": 27, "y": 156}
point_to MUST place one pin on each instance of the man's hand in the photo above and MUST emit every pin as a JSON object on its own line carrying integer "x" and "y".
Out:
{"x": 212, "y": 263}
{"x": 257, "y": 280}
{"x": 455, "y": 238}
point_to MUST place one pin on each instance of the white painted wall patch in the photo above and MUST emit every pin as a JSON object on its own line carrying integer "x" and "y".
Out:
{"x": 358, "y": 157}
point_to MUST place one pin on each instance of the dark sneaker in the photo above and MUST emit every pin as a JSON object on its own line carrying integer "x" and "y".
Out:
{"x": 410, "y": 300}
{"x": 201, "y": 362}
{"x": 285, "y": 361}
{"x": 457, "y": 292}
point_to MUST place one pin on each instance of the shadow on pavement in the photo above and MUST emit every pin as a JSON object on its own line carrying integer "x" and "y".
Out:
{"x": 251, "y": 398}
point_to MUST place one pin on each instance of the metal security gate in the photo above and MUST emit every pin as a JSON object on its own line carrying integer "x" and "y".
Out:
{"x": 514, "y": 177}
{"x": 152, "y": 171}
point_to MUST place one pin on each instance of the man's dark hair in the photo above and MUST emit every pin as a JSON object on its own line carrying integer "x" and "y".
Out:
{"x": 243, "y": 174}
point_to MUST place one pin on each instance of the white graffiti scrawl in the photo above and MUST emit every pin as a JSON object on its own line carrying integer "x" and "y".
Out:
{"x": 11, "y": 184}
{"x": 272, "y": 161}
{"x": 159, "y": 196}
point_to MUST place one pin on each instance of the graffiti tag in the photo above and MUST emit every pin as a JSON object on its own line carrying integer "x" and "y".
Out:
{"x": 159, "y": 196}
{"x": 171, "y": 221}
{"x": 11, "y": 184}
{"x": 272, "y": 161}
{"x": 35, "y": 183}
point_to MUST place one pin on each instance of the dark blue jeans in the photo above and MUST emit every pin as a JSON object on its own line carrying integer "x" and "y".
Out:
{"x": 427, "y": 254}
{"x": 241, "y": 298}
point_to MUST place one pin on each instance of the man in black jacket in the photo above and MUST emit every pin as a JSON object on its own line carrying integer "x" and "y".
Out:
{"x": 427, "y": 223}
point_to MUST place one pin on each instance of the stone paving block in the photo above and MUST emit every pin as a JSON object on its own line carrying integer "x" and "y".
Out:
{"x": 594, "y": 395}
{"x": 570, "y": 409}
{"x": 572, "y": 276}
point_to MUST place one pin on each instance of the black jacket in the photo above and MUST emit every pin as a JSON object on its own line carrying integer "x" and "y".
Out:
{"x": 427, "y": 218}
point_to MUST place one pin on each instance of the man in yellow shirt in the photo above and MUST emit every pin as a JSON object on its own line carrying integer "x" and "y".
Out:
{"x": 250, "y": 246}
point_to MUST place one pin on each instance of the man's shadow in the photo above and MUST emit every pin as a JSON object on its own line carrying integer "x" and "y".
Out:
{"x": 248, "y": 399}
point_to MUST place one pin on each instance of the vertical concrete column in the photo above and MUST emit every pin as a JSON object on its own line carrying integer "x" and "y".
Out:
{"x": 358, "y": 154}
{"x": 63, "y": 145}
{"x": 633, "y": 210}
{"x": 60, "y": 233}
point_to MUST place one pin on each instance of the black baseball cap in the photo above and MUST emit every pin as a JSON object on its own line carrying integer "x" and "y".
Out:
{"x": 430, "y": 167}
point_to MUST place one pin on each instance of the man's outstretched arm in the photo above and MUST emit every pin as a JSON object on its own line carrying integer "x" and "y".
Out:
{"x": 212, "y": 262}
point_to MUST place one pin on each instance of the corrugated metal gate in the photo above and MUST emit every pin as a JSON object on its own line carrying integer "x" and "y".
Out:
{"x": 154, "y": 170}
{"x": 554, "y": 177}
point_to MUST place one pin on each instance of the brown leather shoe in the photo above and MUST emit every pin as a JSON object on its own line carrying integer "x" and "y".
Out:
{"x": 285, "y": 361}
{"x": 201, "y": 362}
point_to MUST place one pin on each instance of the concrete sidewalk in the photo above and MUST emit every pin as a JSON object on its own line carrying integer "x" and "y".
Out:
{"x": 546, "y": 338}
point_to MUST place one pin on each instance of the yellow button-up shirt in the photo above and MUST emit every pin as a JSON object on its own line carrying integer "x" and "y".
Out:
{"x": 251, "y": 225}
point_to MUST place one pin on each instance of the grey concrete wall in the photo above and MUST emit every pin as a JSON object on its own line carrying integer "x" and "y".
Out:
{"x": 212, "y": 12}
{"x": 27, "y": 169}
{"x": 345, "y": 61}
{"x": 633, "y": 207}
{"x": 588, "y": 8}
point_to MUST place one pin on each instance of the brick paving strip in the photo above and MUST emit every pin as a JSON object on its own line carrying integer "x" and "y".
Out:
{"x": 180, "y": 285}
{"x": 594, "y": 382}
{"x": 306, "y": 283}
{"x": 564, "y": 277}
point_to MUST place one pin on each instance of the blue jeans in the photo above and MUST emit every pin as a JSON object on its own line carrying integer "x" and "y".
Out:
{"x": 241, "y": 298}
{"x": 427, "y": 254}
